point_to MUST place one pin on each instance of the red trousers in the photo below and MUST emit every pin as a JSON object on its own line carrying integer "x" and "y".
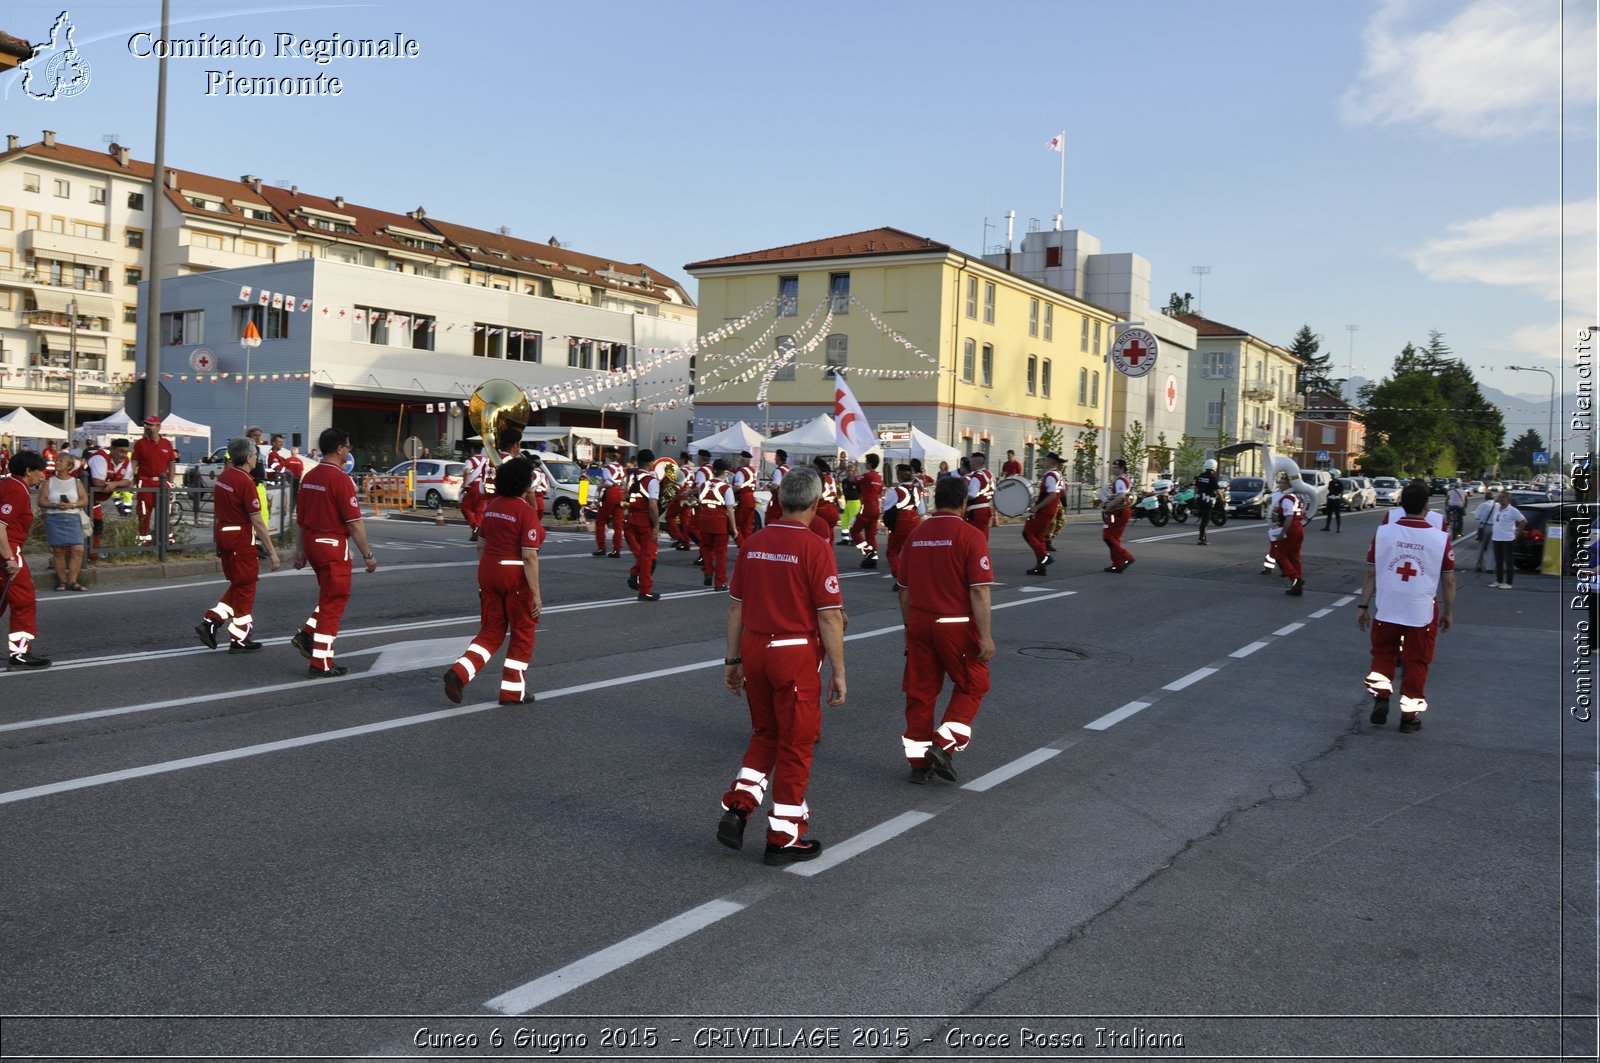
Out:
{"x": 784, "y": 689}
{"x": 145, "y": 501}
{"x": 980, "y": 516}
{"x": 609, "y": 515}
{"x": 1116, "y": 524}
{"x": 829, "y": 514}
{"x": 864, "y": 531}
{"x": 472, "y": 505}
{"x": 642, "y": 545}
{"x": 237, "y": 552}
{"x": 23, "y": 602}
{"x": 1294, "y": 534}
{"x": 330, "y": 560}
{"x": 714, "y": 544}
{"x": 1393, "y": 644}
{"x": 744, "y": 515}
{"x": 505, "y": 604}
{"x": 1036, "y": 532}
{"x": 679, "y": 529}
{"x": 904, "y": 525}
{"x": 937, "y": 647}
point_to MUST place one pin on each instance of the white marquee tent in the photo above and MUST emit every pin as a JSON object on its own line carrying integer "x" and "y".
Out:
{"x": 930, "y": 450}
{"x": 120, "y": 424}
{"x": 813, "y": 437}
{"x": 24, "y": 425}
{"x": 729, "y": 441}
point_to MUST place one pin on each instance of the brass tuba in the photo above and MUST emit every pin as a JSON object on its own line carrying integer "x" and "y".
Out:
{"x": 1272, "y": 465}
{"x": 495, "y": 406}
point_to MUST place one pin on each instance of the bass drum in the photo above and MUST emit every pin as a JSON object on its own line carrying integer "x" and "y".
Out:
{"x": 1012, "y": 496}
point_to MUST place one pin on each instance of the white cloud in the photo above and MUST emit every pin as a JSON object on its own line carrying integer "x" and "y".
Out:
{"x": 1492, "y": 71}
{"x": 1519, "y": 247}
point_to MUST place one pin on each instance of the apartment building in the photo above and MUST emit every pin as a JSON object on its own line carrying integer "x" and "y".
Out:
{"x": 1328, "y": 433}
{"x": 1241, "y": 389}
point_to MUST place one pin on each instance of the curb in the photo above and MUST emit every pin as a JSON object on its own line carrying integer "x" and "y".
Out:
{"x": 116, "y": 575}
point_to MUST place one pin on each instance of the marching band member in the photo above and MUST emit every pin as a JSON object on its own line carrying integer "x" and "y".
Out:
{"x": 828, "y": 505}
{"x": 1042, "y": 514}
{"x": 784, "y": 616}
{"x": 539, "y": 484}
{"x": 236, "y": 528}
{"x": 980, "y": 493}
{"x": 508, "y": 587}
{"x": 609, "y": 513}
{"x": 16, "y": 582}
{"x": 903, "y": 515}
{"x": 864, "y": 530}
{"x": 644, "y": 517}
{"x": 1288, "y": 515}
{"x": 780, "y": 470}
{"x": 677, "y": 527}
{"x": 329, "y": 516}
{"x": 744, "y": 496}
{"x": 715, "y": 521}
{"x": 1116, "y": 512}
{"x": 153, "y": 458}
{"x": 944, "y": 581}
{"x": 110, "y": 471}
{"x": 472, "y": 490}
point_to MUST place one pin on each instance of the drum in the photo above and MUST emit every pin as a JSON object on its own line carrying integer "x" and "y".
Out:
{"x": 1012, "y": 496}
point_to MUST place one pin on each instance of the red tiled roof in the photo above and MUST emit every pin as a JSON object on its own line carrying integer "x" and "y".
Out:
{"x": 369, "y": 222}
{"x": 98, "y": 160}
{"x": 884, "y": 241}
{"x": 1206, "y": 327}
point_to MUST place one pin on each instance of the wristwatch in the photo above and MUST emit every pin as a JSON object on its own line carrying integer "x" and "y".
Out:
{"x": 730, "y": 661}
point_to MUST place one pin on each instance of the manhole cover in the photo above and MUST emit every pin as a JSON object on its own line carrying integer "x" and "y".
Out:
{"x": 1054, "y": 653}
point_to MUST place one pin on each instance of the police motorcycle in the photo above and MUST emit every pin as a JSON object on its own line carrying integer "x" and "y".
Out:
{"x": 1183, "y": 500}
{"x": 1155, "y": 505}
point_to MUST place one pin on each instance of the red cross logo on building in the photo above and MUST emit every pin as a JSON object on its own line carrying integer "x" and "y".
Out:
{"x": 202, "y": 361}
{"x": 1172, "y": 393}
{"x": 1133, "y": 352}
{"x": 1405, "y": 572}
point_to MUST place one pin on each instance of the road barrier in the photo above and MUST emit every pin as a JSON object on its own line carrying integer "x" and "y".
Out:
{"x": 391, "y": 491}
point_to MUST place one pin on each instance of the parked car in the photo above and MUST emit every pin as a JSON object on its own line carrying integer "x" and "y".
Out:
{"x": 1476, "y": 487}
{"x": 1387, "y": 490}
{"x": 437, "y": 482}
{"x": 1357, "y": 493}
{"x": 562, "y": 501}
{"x": 1527, "y": 553}
{"x": 1248, "y": 496}
{"x": 1318, "y": 480}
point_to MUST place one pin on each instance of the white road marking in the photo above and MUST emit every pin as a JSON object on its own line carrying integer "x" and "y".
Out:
{"x": 1194, "y": 533}
{"x": 1320, "y": 613}
{"x": 1346, "y": 600}
{"x": 1111, "y": 719}
{"x": 1010, "y": 771}
{"x": 1288, "y": 629}
{"x": 839, "y": 852}
{"x": 1030, "y": 601}
{"x": 530, "y": 995}
{"x": 1245, "y": 651}
{"x": 409, "y": 656}
{"x": 1190, "y": 679}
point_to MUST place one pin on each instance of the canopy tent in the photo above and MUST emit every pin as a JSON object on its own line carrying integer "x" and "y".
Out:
{"x": 928, "y": 449}
{"x": 24, "y": 425}
{"x": 813, "y": 437}
{"x": 729, "y": 441}
{"x": 120, "y": 424}
{"x": 606, "y": 437}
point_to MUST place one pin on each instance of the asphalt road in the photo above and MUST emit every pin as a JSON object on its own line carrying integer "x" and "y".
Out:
{"x": 1175, "y": 834}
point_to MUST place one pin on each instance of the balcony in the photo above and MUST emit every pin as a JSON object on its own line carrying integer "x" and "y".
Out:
{"x": 44, "y": 244}
{"x": 211, "y": 258}
{"x": 1291, "y": 401}
{"x": 41, "y": 278}
{"x": 1260, "y": 391}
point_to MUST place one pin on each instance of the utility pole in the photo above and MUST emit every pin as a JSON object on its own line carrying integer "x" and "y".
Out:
{"x": 72, "y": 371}
{"x": 1350, "y": 367}
{"x": 158, "y": 195}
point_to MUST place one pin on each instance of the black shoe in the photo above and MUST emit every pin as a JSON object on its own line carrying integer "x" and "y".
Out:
{"x": 1037, "y": 570}
{"x": 526, "y": 699}
{"x": 721, "y": 587}
{"x": 1296, "y": 589}
{"x": 208, "y": 633}
{"x": 331, "y": 672}
{"x": 680, "y": 545}
{"x": 599, "y": 553}
{"x": 700, "y": 561}
{"x": 940, "y": 762}
{"x": 26, "y": 660}
{"x": 730, "y": 829}
{"x": 1202, "y": 542}
{"x": 452, "y": 686}
{"x": 302, "y": 642}
{"x": 1380, "y": 712}
{"x": 1048, "y": 560}
{"x": 777, "y": 855}
{"x": 869, "y": 562}
{"x": 707, "y": 581}
{"x": 919, "y": 776}
{"x": 1050, "y": 546}
{"x": 653, "y": 596}
{"x": 633, "y": 583}
{"x": 247, "y": 646}
{"x": 1129, "y": 562}
{"x": 615, "y": 553}
{"x": 473, "y": 537}
{"x": 1410, "y": 721}
{"x": 1111, "y": 568}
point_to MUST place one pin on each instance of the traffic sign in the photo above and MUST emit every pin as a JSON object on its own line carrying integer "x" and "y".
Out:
{"x": 1541, "y": 457}
{"x": 1134, "y": 353}
{"x": 1322, "y": 455}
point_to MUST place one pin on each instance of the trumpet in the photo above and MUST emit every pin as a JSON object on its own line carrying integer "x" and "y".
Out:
{"x": 495, "y": 406}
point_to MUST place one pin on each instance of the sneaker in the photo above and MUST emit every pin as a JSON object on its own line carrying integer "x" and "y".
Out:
{"x": 653, "y": 596}
{"x": 720, "y": 587}
{"x": 1129, "y": 562}
{"x": 1202, "y": 542}
{"x": 730, "y": 829}
{"x": 302, "y": 642}
{"x": 680, "y": 545}
{"x": 526, "y": 699}
{"x": 1410, "y": 721}
{"x": 1380, "y": 712}
{"x": 331, "y": 672}
{"x": 1048, "y": 560}
{"x": 598, "y": 553}
{"x": 941, "y": 763}
{"x": 1112, "y": 568}
{"x": 1037, "y": 570}
{"x": 26, "y": 660}
{"x": 778, "y": 855}
{"x": 452, "y": 686}
{"x": 869, "y": 562}
{"x": 246, "y": 646}
{"x": 208, "y": 633}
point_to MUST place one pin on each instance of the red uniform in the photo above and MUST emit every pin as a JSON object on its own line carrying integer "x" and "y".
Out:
{"x": 680, "y": 525}
{"x": 1411, "y": 556}
{"x": 744, "y": 502}
{"x": 1011, "y": 468}
{"x": 643, "y": 488}
{"x": 511, "y": 532}
{"x": 980, "y": 500}
{"x": 940, "y": 564}
{"x": 326, "y": 507}
{"x": 235, "y": 501}
{"x": 153, "y": 459}
{"x": 608, "y": 514}
{"x": 828, "y": 504}
{"x": 784, "y": 576}
{"x": 1036, "y": 532}
{"x": 540, "y": 486}
{"x": 715, "y": 502}
{"x": 906, "y": 508}
{"x": 864, "y": 530}
{"x": 108, "y": 470}
{"x": 1292, "y": 534}
{"x": 16, "y": 512}
{"x": 775, "y": 506}
{"x": 1116, "y": 523}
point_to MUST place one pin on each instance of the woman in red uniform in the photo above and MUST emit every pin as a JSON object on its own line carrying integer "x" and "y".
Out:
{"x": 508, "y": 587}
{"x": 16, "y": 584}
{"x": 715, "y": 523}
{"x": 237, "y": 527}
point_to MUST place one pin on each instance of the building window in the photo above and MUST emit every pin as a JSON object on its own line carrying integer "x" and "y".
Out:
{"x": 182, "y": 328}
{"x": 5, "y": 300}
{"x": 488, "y": 341}
{"x": 1083, "y": 387}
{"x": 1330, "y": 434}
{"x": 1033, "y": 374}
{"x": 988, "y": 365}
{"x": 988, "y": 303}
{"x": 376, "y": 324}
{"x": 422, "y": 331}
{"x": 839, "y": 293}
{"x": 209, "y": 241}
{"x": 135, "y": 237}
{"x": 130, "y": 313}
{"x": 1044, "y": 379}
{"x": 130, "y": 351}
{"x": 785, "y": 371}
{"x": 1096, "y": 337}
{"x": 1033, "y": 317}
{"x": 305, "y": 253}
{"x": 271, "y": 322}
{"x": 580, "y": 354}
{"x": 972, "y": 298}
{"x": 1218, "y": 364}
{"x": 7, "y": 219}
{"x": 132, "y": 276}
{"x": 58, "y": 224}
{"x": 788, "y": 296}
{"x": 1214, "y": 415}
{"x": 1052, "y": 258}
{"x": 63, "y": 189}
{"x": 969, "y": 360}
{"x": 838, "y": 353}
{"x": 1083, "y": 337}
{"x": 88, "y": 231}
{"x": 30, "y": 182}
{"x": 1049, "y": 322}
{"x": 522, "y": 345}
{"x": 97, "y": 194}
{"x": 135, "y": 200}
{"x": 1094, "y": 388}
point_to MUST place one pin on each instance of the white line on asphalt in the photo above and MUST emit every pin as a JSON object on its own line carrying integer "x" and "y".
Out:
{"x": 1190, "y": 679}
{"x": 1009, "y": 771}
{"x": 1320, "y": 613}
{"x": 1346, "y": 600}
{"x": 1245, "y": 651}
{"x": 1288, "y": 629}
{"x": 579, "y": 973}
{"x": 1111, "y": 719}
{"x": 1030, "y": 601}
{"x": 839, "y": 852}
{"x": 1194, "y": 533}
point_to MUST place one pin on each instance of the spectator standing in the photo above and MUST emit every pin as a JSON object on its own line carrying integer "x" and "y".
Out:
{"x": 1011, "y": 466}
{"x": 66, "y": 507}
{"x": 1484, "y": 515}
{"x": 1507, "y": 522}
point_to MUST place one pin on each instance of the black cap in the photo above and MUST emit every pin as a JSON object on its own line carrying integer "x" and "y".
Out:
{"x": 745, "y": 454}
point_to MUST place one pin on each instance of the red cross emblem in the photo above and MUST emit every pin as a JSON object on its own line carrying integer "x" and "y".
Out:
{"x": 1172, "y": 393}
{"x": 1133, "y": 352}
{"x": 1405, "y": 572}
{"x": 202, "y": 361}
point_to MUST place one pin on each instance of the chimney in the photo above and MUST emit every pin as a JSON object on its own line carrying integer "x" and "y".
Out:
{"x": 338, "y": 201}
{"x": 294, "y": 190}
{"x": 172, "y": 178}
{"x": 253, "y": 181}
{"x": 49, "y": 138}
{"x": 11, "y": 142}
{"x": 1011, "y": 220}
{"x": 122, "y": 157}
{"x": 418, "y": 214}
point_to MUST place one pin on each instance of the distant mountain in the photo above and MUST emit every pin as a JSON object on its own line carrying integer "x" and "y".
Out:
{"x": 1521, "y": 412}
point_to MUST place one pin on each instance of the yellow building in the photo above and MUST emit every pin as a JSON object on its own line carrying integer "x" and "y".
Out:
{"x": 927, "y": 336}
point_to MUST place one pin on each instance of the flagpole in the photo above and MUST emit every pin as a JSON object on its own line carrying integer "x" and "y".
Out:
{"x": 1061, "y": 199}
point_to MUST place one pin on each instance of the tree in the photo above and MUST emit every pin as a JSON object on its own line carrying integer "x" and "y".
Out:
{"x": 1380, "y": 461}
{"x": 1163, "y": 451}
{"x": 1179, "y": 304}
{"x": 1432, "y": 413}
{"x": 1050, "y": 436}
{"x": 1086, "y": 455}
{"x": 1189, "y": 458}
{"x": 1316, "y": 368}
{"x": 1520, "y": 452}
{"x": 1135, "y": 451}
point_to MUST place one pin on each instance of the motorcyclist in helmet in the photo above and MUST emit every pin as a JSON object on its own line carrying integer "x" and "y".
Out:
{"x": 1205, "y": 496}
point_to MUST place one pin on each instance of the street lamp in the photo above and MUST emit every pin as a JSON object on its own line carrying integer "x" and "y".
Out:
{"x": 1550, "y": 423}
{"x": 250, "y": 340}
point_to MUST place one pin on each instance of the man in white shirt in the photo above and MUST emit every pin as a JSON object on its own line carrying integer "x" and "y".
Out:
{"x": 1408, "y": 597}
{"x": 1455, "y": 507}
{"x": 1485, "y": 528}
{"x": 1506, "y": 521}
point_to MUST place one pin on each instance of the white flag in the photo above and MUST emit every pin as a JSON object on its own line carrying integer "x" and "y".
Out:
{"x": 852, "y": 431}
{"x": 1058, "y": 142}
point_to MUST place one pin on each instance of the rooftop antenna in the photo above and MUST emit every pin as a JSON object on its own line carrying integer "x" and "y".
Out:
{"x": 110, "y": 138}
{"x": 1200, "y": 296}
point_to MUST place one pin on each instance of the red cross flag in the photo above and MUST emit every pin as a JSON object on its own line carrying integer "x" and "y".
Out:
{"x": 852, "y": 431}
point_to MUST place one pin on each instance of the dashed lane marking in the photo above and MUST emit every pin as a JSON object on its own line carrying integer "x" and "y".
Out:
{"x": 1010, "y": 771}
{"x": 1346, "y": 600}
{"x": 1111, "y": 719}
{"x": 1245, "y": 651}
{"x": 1190, "y": 679}
{"x": 1289, "y": 629}
{"x": 1320, "y": 613}
{"x": 839, "y": 852}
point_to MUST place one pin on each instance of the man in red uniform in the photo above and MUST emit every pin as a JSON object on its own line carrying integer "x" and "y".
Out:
{"x": 1011, "y": 467}
{"x": 643, "y": 502}
{"x": 153, "y": 458}
{"x": 1042, "y": 514}
{"x": 864, "y": 530}
{"x": 1288, "y": 514}
{"x": 903, "y": 516}
{"x": 779, "y": 471}
{"x": 828, "y": 504}
{"x": 784, "y": 617}
{"x": 1116, "y": 512}
{"x": 980, "y": 493}
{"x": 680, "y": 528}
{"x": 237, "y": 527}
{"x": 744, "y": 497}
{"x": 945, "y": 576}
{"x": 16, "y": 582}
{"x": 329, "y": 516}
{"x": 472, "y": 492}
{"x": 609, "y": 512}
{"x": 539, "y": 485}
{"x": 714, "y": 514}
{"x": 508, "y": 587}
{"x": 109, "y": 472}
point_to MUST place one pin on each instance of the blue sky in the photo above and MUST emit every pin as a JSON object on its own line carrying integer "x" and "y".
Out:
{"x": 1393, "y": 164}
